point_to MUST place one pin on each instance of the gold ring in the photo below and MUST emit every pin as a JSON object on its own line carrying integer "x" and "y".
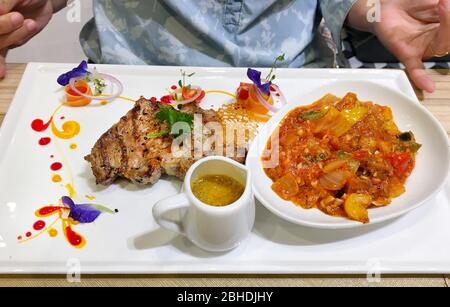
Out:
{"x": 441, "y": 55}
{"x": 438, "y": 55}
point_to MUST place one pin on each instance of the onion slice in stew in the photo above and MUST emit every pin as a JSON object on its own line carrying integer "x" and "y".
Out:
{"x": 113, "y": 80}
{"x": 334, "y": 181}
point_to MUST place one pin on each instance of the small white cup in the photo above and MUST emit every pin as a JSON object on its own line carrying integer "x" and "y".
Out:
{"x": 215, "y": 229}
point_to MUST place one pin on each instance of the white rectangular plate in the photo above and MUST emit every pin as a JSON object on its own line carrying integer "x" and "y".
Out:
{"x": 131, "y": 242}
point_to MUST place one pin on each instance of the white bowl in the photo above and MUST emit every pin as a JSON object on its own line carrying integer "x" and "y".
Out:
{"x": 428, "y": 177}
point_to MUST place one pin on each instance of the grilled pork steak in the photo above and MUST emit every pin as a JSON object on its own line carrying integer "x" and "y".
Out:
{"x": 126, "y": 151}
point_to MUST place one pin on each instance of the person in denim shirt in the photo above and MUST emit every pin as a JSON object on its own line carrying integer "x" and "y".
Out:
{"x": 239, "y": 32}
{"x": 212, "y": 32}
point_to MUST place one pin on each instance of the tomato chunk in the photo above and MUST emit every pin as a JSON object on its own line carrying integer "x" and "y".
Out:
{"x": 188, "y": 93}
{"x": 200, "y": 98}
{"x": 402, "y": 162}
{"x": 243, "y": 93}
{"x": 359, "y": 155}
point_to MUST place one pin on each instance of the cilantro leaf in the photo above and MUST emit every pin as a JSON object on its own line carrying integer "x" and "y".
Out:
{"x": 99, "y": 85}
{"x": 171, "y": 117}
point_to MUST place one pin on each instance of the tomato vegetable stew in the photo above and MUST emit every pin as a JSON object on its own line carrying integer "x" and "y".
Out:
{"x": 342, "y": 156}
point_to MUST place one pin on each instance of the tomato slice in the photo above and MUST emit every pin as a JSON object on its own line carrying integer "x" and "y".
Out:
{"x": 166, "y": 99}
{"x": 402, "y": 162}
{"x": 200, "y": 98}
{"x": 188, "y": 93}
{"x": 243, "y": 93}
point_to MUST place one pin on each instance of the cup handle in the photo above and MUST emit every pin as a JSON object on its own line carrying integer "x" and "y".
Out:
{"x": 164, "y": 206}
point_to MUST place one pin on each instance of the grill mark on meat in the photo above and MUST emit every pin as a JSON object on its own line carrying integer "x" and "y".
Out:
{"x": 109, "y": 169}
{"x": 124, "y": 155}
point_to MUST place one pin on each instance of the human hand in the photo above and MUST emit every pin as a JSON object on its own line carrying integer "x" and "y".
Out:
{"x": 412, "y": 30}
{"x": 20, "y": 20}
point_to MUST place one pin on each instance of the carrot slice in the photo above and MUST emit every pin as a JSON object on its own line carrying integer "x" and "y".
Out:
{"x": 75, "y": 100}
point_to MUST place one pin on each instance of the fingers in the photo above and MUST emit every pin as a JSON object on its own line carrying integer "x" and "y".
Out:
{"x": 22, "y": 41}
{"x": 430, "y": 14}
{"x": 29, "y": 27}
{"x": 3, "y": 63}
{"x": 10, "y": 22}
{"x": 418, "y": 75}
{"x": 442, "y": 42}
{"x": 30, "y": 4}
{"x": 7, "y": 5}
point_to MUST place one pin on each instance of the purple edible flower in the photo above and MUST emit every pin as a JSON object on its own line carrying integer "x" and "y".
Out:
{"x": 83, "y": 214}
{"x": 79, "y": 71}
{"x": 255, "y": 76}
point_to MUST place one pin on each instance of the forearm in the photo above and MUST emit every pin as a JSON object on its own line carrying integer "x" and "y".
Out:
{"x": 363, "y": 15}
{"x": 58, "y": 5}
